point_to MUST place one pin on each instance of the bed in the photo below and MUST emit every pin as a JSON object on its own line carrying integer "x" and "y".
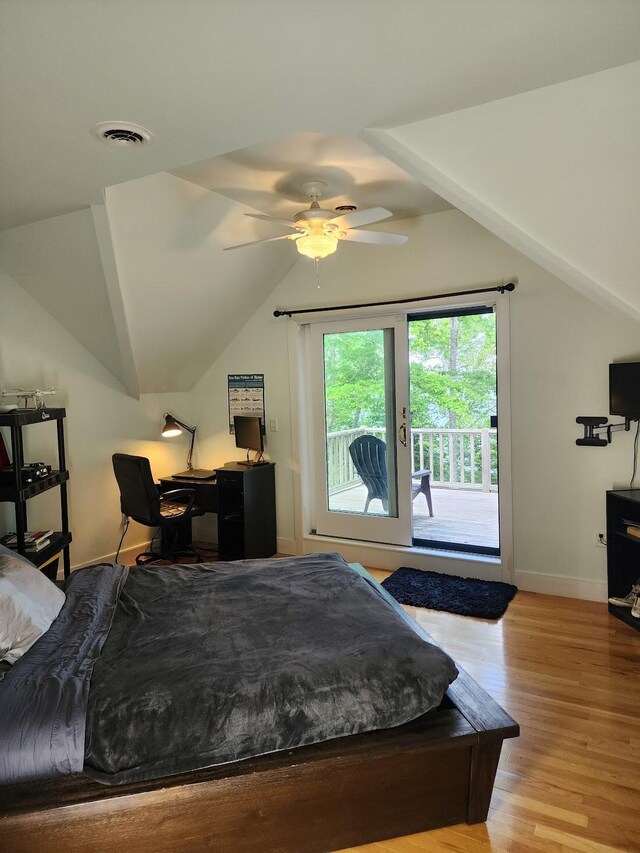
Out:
{"x": 260, "y": 705}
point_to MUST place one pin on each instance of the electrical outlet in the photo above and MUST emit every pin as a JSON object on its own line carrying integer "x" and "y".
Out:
{"x": 599, "y": 538}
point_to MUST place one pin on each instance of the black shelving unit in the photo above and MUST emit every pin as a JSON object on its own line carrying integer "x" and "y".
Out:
{"x": 19, "y": 494}
{"x": 623, "y": 550}
{"x": 246, "y": 511}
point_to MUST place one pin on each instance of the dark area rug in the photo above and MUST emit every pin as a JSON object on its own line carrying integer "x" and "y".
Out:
{"x": 465, "y": 596}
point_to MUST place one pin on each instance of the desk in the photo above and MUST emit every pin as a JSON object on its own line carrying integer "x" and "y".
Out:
{"x": 206, "y": 490}
{"x": 244, "y": 499}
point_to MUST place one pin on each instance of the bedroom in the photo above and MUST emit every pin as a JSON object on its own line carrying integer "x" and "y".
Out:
{"x": 545, "y": 196}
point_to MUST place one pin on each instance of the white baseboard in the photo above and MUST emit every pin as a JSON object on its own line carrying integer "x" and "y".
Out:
{"x": 384, "y": 558}
{"x": 127, "y": 553}
{"x": 562, "y": 585}
{"x": 391, "y": 557}
{"x": 287, "y": 546}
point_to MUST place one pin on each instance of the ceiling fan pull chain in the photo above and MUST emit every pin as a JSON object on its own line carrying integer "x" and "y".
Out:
{"x": 316, "y": 262}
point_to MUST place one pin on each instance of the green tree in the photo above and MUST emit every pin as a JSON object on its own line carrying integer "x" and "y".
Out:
{"x": 452, "y": 363}
{"x": 451, "y": 367}
{"x": 354, "y": 379}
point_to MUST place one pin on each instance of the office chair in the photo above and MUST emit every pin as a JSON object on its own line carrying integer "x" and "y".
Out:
{"x": 141, "y": 501}
{"x": 369, "y": 456}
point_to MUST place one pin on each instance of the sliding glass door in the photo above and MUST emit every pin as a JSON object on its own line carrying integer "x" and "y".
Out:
{"x": 359, "y": 420}
{"x": 404, "y": 432}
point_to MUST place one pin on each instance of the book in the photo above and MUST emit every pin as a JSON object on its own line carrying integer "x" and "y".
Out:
{"x": 30, "y": 539}
{"x": 33, "y": 549}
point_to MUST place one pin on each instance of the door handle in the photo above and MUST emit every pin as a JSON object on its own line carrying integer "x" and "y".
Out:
{"x": 402, "y": 434}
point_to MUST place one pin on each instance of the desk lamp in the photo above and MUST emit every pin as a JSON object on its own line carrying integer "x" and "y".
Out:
{"x": 173, "y": 427}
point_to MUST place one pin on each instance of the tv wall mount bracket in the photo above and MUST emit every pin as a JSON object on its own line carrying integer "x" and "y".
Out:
{"x": 595, "y": 427}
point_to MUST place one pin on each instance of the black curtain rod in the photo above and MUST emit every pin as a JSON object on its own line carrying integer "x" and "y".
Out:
{"x": 500, "y": 288}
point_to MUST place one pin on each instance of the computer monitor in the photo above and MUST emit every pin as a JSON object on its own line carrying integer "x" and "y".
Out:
{"x": 248, "y": 432}
{"x": 624, "y": 389}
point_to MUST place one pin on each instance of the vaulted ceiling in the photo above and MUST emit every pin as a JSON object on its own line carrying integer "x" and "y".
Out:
{"x": 506, "y": 110}
{"x": 555, "y": 172}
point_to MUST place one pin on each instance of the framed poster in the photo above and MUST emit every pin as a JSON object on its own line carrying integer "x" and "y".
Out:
{"x": 246, "y": 397}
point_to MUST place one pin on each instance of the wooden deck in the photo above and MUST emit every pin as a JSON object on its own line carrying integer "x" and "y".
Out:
{"x": 459, "y": 516}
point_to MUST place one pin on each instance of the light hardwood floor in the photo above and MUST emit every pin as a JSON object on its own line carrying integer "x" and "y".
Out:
{"x": 569, "y": 674}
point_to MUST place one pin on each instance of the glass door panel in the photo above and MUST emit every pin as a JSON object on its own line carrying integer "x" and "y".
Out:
{"x": 360, "y": 409}
{"x": 359, "y": 415}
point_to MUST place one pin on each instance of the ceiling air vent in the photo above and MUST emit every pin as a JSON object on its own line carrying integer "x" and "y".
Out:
{"x": 123, "y": 134}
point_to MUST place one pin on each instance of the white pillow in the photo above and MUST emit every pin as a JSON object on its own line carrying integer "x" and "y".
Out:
{"x": 29, "y": 602}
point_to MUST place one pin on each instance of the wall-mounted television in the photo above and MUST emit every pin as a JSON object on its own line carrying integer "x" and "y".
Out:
{"x": 624, "y": 389}
{"x": 248, "y": 432}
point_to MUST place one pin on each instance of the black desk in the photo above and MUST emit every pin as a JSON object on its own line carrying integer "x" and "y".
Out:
{"x": 206, "y": 490}
{"x": 244, "y": 499}
{"x": 206, "y": 497}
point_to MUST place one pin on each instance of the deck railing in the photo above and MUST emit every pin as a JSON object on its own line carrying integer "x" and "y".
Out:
{"x": 457, "y": 458}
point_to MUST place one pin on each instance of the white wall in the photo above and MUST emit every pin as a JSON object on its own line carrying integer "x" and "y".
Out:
{"x": 57, "y": 261}
{"x": 561, "y": 345}
{"x": 35, "y": 350}
{"x": 554, "y": 172}
{"x": 184, "y": 297}
{"x": 260, "y": 347}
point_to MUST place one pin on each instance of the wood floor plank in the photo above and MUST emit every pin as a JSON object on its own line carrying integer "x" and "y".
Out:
{"x": 539, "y": 807}
{"x": 569, "y": 673}
{"x": 572, "y": 842}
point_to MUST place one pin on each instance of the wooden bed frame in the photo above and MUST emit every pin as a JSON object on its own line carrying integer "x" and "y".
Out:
{"x": 435, "y": 771}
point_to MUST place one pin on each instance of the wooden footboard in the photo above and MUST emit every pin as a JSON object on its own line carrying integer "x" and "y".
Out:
{"x": 435, "y": 771}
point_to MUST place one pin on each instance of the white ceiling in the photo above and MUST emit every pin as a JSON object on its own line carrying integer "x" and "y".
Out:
{"x": 554, "y": 172}
{"x": 246, "y": 98}
{"x": 57, "y": 261}
{"x": 185, "y": 298}
{"x": 213, "y": 77}
{"x": 268, "y": 177}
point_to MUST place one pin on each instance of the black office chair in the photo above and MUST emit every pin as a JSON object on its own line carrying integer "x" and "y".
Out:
{"x": 369, "y": 456}
{"x": 141, "y": 501}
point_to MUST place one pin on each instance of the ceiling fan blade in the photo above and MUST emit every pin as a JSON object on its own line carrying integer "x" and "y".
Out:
{"x": 286, "y": 222}
{"x": 267, "y": 240}
{"x": 361, "y": 217}
{"x": 380, "y": 238}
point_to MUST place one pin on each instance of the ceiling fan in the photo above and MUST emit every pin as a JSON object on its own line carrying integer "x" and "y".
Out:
{"x": 317, "y": 231}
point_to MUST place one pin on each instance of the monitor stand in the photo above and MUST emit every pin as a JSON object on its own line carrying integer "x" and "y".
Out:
{"x": 257, "y": 460}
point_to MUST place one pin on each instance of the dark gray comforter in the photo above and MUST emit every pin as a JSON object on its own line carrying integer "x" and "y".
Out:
{"x": 213, "y": 663}
{"x": 43, "y": 697}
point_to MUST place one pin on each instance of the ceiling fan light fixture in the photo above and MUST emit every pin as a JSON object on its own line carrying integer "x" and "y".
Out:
{"x": 317, "y": 246}
{"x": 319, "y": 230}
